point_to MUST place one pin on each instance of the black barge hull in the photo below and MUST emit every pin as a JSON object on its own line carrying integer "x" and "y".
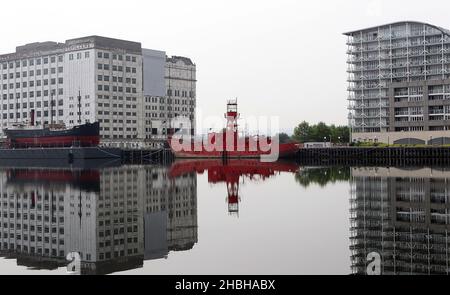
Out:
{"x": 61, "y": 153}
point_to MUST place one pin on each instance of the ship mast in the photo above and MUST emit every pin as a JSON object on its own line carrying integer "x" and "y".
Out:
{"x": 79, "y": 107}
{"x": 232, "y": 127}
{"x": 51, "y": 108}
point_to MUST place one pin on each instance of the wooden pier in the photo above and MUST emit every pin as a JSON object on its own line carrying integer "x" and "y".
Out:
{"x": 389, "y": 156}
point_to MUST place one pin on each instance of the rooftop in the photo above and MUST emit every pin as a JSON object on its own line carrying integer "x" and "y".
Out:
{"x": 187, "y": 61}
{"x": 51, "y": 47}
{"x": 445, "y": 31}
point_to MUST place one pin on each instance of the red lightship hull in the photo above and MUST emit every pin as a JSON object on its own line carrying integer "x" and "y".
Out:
{"x": 228, "y": 143}
{"x": 284, "y": 150}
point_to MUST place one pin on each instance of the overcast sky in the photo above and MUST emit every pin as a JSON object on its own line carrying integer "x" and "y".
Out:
{"x": 284, "y": 58}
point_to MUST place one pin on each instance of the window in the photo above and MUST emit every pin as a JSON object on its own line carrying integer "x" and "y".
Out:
{"x": 86, "y": 54}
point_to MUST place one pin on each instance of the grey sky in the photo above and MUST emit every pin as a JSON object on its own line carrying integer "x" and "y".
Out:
{"x": 283, "y": 58}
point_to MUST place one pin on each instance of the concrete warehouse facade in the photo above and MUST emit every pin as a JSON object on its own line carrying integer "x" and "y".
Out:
{"x": 399, "y": 83}
{"x": 175, "y": 98}
{"x": 110, "y": 75}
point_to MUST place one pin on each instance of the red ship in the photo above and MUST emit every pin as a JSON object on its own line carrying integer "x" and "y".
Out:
{"x": 230, "y": 172}
{"x": 228, "y": 144}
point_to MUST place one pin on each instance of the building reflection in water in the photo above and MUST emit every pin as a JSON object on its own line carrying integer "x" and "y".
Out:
{"x": 403, "y": 215}
{"x": 232, "y": 172}
{"x": 115, "y": 218}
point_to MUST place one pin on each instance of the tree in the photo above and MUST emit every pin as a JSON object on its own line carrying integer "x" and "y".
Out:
{"x": 302, "y": 132}
{"x": 284, "y": 138}
{"x": 321, "y": 132}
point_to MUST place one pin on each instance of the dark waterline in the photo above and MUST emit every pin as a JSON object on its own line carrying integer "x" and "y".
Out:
{"x": 204, "y": 217}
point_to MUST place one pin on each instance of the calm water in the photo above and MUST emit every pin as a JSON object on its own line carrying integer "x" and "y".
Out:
{"x": 204, "y": 217}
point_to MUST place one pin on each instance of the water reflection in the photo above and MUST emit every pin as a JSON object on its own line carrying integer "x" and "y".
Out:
{"x": 403, "y": 215}
{"x": 321, "y": 176}
{"x": 115, "y": 218}
{"x": 232, "y": 173}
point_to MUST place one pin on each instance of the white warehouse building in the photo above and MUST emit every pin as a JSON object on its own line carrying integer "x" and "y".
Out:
{"x": 108, "y": 76}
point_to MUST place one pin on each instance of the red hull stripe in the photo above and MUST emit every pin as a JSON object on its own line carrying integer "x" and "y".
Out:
{"x": 284, "y": 150}
{"x": 58, "y": 140}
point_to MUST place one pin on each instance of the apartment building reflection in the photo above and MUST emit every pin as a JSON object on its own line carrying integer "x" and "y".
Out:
{"x": 115, "y": 218}
{"x": 403, "y": 215}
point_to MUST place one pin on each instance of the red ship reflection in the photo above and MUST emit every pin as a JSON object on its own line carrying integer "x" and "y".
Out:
{"x": 231, "y": 172}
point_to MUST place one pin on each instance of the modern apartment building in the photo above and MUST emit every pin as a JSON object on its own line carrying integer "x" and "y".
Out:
{"x": 399, "y": 83}
{"x": 94, "y": 79}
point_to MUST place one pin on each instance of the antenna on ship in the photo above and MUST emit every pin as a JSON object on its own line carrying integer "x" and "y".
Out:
{"x": 79, "y": 107}
{"x": 51, "y": 107}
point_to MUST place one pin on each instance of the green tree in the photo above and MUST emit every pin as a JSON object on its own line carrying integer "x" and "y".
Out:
{"x": 284, "y": 138}
{"x": 302, "y": 132}
{"x": 320, "y": 132}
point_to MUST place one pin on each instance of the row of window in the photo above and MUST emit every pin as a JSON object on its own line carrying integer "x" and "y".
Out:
{"x": 39, "y": 114}
{"x": 120, "y": 114}
{"x": 79, "y": 55}
{"x": 169, "y": 100}
{"x": 33, "y": 249}
{"x": 31, "y": 104}
{"x": 31, "y": 73}
{"x": 114, "y": 56}
{"x": 120, "y": 129}
{"x": 116, "y": 79}
{"x": 31, "y": 94}
{"x": 115, "y": 136}
{"x": 115, "y": 68}
{"x": 31, "y": 62}
{"x": 107, "y": 97}
{"x": 121, "y": 253}
{"x": 184, "y": 93}
{"x": 163, "y": 115}
{"x": 38, "y": 83}
{"x": 101, "y": 87}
